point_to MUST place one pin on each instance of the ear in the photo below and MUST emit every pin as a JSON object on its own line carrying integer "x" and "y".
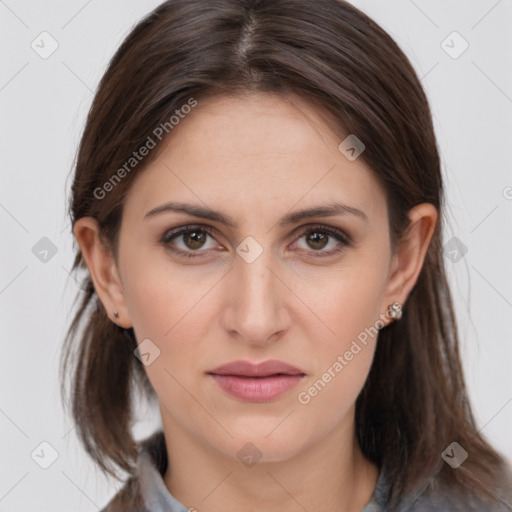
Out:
{"x": 410, "y": 253}
{"x": 103, "y": 269}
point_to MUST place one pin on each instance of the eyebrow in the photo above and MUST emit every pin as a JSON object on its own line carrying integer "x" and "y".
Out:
{"x": 329, "y": 210}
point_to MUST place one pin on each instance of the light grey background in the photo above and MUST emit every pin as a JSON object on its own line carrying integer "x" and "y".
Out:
{"x": 43, "y": 103}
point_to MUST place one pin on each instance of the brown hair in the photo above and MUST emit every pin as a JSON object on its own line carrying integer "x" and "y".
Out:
{"x": 414, "y": 402}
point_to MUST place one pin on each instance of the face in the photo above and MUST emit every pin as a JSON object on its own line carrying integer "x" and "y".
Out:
{"x": 307, "y": 292}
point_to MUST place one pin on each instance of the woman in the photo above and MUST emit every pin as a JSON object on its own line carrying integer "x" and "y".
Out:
{"x": 258, "y": 207}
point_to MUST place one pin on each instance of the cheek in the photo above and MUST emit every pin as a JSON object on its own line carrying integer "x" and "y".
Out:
{"x": 174, "y": 308}
{"x": 159, "y": 294}
{"x": 347, "y": 300}
{"x": 166, "y": 308}
{"x": 349, "y": 305}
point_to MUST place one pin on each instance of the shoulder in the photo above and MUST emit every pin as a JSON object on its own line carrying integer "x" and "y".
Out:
{"x": 434, "y": 497}
{"x": 127, "y": 499}
{"x": 434, "y": 494}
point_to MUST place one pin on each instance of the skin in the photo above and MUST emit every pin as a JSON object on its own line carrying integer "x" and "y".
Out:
{"x": 257, "y": 158}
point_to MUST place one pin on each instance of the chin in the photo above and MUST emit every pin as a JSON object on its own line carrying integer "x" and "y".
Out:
{"x": 262, "y": 447}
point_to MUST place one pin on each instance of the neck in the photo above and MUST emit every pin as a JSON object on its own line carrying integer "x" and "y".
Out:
{"x": 331, "y": 474}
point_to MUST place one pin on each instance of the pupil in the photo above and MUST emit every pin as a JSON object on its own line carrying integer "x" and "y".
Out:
{"x": 197, "y": 239}
{"x": 318, "y": 238}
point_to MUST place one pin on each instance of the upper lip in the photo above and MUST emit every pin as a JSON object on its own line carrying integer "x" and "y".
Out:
{"x": 263, "y": 369}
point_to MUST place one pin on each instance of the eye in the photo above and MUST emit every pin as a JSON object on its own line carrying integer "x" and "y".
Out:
{"x": 319, "y": 237}
{"x": 193, "y": 239}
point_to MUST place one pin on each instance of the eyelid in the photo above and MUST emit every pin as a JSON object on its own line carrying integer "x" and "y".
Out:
{"x": 331, "y": 230}
{"x": 170, "y": 233}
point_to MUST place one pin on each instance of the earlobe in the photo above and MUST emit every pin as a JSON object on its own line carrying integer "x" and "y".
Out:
{"x": 410, "y": 253}
{"x": 103, "y": 270}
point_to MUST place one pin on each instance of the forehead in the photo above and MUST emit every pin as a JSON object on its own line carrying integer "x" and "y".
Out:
{"x": 256, "y": 151}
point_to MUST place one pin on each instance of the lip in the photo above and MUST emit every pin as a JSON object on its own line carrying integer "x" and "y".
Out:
{"x": 263, "y": 369}
{"x": 257, "y": 382}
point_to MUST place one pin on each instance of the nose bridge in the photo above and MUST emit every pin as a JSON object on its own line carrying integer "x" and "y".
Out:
{"x": 256, "y": 299}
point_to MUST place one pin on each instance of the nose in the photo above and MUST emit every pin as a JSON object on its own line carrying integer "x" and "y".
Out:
{"x": 255, "y": 311}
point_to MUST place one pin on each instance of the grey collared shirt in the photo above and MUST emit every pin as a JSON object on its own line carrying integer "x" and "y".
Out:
{"x": 145, "y": 491}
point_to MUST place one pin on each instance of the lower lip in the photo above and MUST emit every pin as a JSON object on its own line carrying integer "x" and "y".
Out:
{"x": 257, "y": 389}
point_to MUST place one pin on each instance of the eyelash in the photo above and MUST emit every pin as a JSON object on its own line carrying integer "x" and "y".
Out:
{"x": 330, "y": 231}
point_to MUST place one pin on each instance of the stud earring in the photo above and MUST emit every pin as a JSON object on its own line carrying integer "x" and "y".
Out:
{"x": 116, "y": 314}
{"x": 395, "y": 311}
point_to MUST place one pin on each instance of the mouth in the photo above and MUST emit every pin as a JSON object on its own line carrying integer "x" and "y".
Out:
{"x": 261, "y": 382}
